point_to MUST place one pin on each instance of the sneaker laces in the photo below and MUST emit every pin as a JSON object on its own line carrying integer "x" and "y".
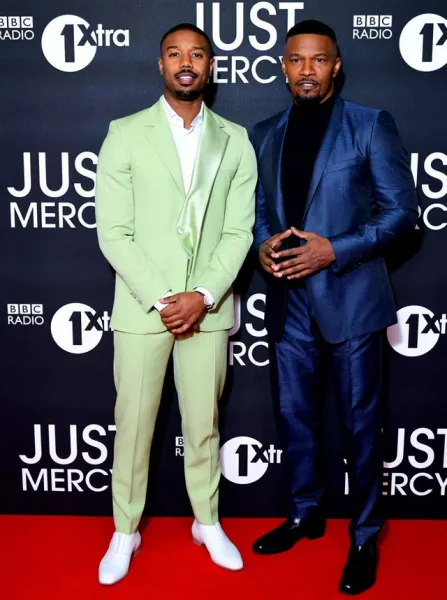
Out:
{"x": 121, "y": 544}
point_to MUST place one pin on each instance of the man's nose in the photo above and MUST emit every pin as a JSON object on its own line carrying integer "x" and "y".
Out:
{"x": 185, "y": 61}
{"x": 307, "y": 68}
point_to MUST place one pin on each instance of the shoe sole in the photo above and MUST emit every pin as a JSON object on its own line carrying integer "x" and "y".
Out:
{"x": 134, "y": 553}
{"x": 200, "y": 544}
{"x": 362, "y": 591}
{"x": 315, "y": 536}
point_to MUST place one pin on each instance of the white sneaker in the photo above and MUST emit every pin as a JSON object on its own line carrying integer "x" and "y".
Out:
{"x": 223, "y": 552}
{"x": 115, "y": 564}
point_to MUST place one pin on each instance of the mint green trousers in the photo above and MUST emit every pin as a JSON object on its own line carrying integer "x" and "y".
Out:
{"x": 140, "y": 362}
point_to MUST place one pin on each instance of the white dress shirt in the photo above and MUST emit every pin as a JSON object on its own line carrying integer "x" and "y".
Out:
{"x": 187, "y": 145}
{"x": 186, "y": 140}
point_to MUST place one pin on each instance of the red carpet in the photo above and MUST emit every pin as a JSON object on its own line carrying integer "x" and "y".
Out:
{"x": 57, "y": 557}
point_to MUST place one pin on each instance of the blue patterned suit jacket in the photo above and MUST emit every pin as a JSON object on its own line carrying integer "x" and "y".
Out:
{"x": 362, "y": 197}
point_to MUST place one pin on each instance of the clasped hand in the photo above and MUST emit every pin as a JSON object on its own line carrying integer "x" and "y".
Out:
{"x": 303, "y": 261}
{"x": 183, "y": 312}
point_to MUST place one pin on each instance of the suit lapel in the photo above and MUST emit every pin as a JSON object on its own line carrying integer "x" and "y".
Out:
{"x": 158, "y": 132}
{"x": 213, "y": 144}
{"x": 325, "y": 150}
{"x": 278, "y": 144}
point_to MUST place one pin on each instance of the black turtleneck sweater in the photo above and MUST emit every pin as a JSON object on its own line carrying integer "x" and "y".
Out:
{"x": 306, "y": 128}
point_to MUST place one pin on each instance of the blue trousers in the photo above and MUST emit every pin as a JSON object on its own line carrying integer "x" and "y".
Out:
{"x": 297, "y": 378}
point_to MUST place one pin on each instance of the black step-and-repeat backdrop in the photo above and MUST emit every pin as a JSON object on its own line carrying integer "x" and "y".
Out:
{"x": 67, "y": 69}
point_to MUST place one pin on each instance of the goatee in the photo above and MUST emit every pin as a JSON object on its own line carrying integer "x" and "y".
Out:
{"x": 307, "y": 101}
{"x": 188, "y": 94}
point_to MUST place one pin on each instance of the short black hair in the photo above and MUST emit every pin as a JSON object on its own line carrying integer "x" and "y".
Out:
{"x": 314, "y": 27}
{"x": 188, "y": 27}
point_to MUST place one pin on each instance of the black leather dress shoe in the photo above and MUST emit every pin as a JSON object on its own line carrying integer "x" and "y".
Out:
{"x": 287, "y": 535}
{"x": 359, "y": 573}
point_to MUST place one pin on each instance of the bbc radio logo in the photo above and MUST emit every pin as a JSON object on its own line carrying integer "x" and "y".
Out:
{"x": 77, "y": 328}
{"x": 69, "y": 43}
{"x": 25, "y": 314}
{"x": 417, "y": 331}
{"x": 16, "y": 28}
{"x": 372, "y": 27}
{"x": 244, "y": 460}
{"x": 423, "y": 42}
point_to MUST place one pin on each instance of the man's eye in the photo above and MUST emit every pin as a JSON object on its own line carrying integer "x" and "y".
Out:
{"x": 320, "y": 60}
{"x": 198, "y": 55}
{"x": 295, "y": 59}
{"x": 173, "y": 54}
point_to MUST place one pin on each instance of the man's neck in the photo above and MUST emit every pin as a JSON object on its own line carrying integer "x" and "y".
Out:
{"x": 186, "y": 109}
{"x": 328, "y": 96}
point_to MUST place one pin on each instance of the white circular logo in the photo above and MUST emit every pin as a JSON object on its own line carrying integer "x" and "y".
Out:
{"x": 76, "y": 328}
{"x": 423, "y": 42}
{"x": 415, "y": 333}
{"x": 243, "y": 460}
{"x": 68, "y": 43}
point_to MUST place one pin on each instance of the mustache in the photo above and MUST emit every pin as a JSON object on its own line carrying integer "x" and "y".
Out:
{"x": 185, "y": 72}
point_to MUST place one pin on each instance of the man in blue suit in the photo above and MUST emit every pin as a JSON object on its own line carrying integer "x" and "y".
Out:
{"x": 335, "y": 191}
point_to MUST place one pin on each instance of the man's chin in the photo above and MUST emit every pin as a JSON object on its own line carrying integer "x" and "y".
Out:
{"x": 307, "y": 99}
{"x": 188, "y": 93}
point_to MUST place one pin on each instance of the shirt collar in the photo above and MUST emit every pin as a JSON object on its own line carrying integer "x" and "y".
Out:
{"x": 174, "y": 118}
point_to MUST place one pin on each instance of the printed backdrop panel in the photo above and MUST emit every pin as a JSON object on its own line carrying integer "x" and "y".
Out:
{"x": 66, "y": 73}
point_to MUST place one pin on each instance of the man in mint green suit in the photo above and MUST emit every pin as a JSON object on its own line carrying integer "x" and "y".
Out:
{"x": 175, "y": 210}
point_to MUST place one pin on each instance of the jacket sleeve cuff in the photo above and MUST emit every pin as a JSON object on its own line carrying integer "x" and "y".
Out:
{"x": 159, "y": 305}
{"x": 346, "y": 254}
{"x": 260, "y": 236}
{"x": 207, "y": 296}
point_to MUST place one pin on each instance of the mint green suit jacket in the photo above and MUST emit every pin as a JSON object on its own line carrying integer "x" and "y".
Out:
{"x": 155, "y": 236}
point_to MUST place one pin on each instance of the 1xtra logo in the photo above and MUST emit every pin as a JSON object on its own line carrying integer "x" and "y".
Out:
{"x": 77, "y": 328}
{"x": 69, "y": 43}
{"x": 417, "y": 331}
{"x": 423, "y": 42}
{"x": 245, "y": 460}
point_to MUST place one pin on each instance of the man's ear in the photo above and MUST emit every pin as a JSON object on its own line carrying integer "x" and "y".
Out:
{"x": 337, "y": 67}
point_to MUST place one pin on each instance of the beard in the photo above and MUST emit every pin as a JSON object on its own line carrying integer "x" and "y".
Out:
{"x": 307, "y": 99}
{"x": 188, "y": 95}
